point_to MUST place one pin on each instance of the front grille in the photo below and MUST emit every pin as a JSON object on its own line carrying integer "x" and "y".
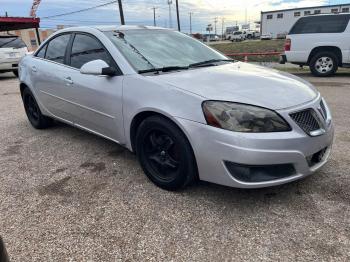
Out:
{"x": 307, "y": 120}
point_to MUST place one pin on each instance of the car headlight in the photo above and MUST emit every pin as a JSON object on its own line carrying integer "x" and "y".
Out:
{"x": 243, "y": 118}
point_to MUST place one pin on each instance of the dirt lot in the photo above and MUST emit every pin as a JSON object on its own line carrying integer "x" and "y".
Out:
{"x": 252, "y": 46}
{"x": 67, "y": 195}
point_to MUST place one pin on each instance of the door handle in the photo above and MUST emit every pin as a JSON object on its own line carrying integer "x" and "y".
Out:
{"x": 68, "y": 81}
{"x": 34, "y": 69}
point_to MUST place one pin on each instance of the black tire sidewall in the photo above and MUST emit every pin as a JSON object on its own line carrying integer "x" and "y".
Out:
{"x": 324, "y": 54}
{"x": 15, "y": 72}
{"x": 187, "y": 170}
{"x": 43, "y": 121}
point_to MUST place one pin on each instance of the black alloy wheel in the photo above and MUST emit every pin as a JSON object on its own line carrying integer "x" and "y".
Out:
{"x": 35, "y": 117}
{"x": 165, "y": 153}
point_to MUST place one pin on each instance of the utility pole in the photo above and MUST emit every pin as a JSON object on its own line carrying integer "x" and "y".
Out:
{"x": 154, "y": 16}
{"x": 122, "y": 22}
{"x": 222, "y": 28}
{"x": 191, "y": 13}
{"x": 170, "y": 2}
{"x": 215, "y": 22}
{"x": 178, "y": 16}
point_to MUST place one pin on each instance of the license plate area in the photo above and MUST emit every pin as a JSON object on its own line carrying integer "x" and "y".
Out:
{"x": 12, "y": 55}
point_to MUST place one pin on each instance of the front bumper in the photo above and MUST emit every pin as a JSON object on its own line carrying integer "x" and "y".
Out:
{"x": 214, "y": 148}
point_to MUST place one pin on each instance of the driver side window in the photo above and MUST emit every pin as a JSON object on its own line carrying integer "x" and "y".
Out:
{"x": 86, "y": 49}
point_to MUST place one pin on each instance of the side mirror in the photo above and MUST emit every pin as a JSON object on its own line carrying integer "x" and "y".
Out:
{"x": 98, "y": 67}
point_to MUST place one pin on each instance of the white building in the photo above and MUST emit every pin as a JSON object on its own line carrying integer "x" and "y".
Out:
{"x": 278, "y": 23}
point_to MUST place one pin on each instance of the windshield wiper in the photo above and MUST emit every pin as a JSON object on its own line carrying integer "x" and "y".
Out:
{"x": 163, "y": 69}
{"x": 121, "y": 36}
{"x": 210, "y": 62}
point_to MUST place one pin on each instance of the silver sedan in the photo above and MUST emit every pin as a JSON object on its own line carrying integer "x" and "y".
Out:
{"x": 186, "y": 110}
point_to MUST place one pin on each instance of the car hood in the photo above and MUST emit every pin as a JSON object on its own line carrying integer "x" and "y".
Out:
{"x": 244, "y": 83}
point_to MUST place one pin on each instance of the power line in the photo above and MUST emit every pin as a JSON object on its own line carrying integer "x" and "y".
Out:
{"x": 191, "y": 13}
{"x": 52, "y": 20}
{"x": 81, "y": 10}
{"x": 170, "y": 2}
{"x": 178, "y": 16}
{"x": 215, "y": 22}
{"x": 121, "y": 13}
{"x": 222, "y": 28}
{"x": 154, "y": 15}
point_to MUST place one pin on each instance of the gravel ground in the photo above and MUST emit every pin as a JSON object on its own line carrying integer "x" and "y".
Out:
{"x": 67, "y": 195}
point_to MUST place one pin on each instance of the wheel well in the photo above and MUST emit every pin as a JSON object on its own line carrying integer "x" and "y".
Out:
{"x": 22, "y": 87}
{"x": 333, "y": 49}
{"x": 137, "y": 120}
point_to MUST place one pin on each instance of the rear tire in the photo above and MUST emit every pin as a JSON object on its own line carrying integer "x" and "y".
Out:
{"x": 165, "y": 154}
{"x": 324, "y": 64}
{"x": 15, "y": 72}
{"x": 35, "y": 117}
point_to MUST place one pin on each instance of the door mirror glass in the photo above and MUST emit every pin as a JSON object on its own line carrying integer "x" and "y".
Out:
{"x": 97, "y": 67}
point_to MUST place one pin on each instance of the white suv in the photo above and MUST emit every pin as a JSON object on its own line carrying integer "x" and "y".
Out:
{"x": 236, "y": 36}
{"x": 322, "y": 42}
{"x": 12, "y": 49}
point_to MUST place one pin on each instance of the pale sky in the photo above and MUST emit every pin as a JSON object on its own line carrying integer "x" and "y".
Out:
{"x": 140, "y": 11}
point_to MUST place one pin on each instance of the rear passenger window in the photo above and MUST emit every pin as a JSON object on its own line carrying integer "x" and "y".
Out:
{"x": 321, "y": 24}
{"x": 85, "y": 49}
{"x": 57, "y": 48}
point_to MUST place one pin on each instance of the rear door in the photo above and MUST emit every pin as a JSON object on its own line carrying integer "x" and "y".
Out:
{"x": 97, "y": 100}
{"x": 49, "y": 71}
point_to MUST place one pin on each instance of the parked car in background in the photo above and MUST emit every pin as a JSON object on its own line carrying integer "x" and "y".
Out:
{"x": 266, "y": 37}
{"x": 237, "y": 36}
{"x": 186, "y": 110}
{"x": 211, "y": 38}
{"x": 12, "y": 49}
{"x": 281, "y": 35}
{"x": 251, "y": 34}
{"x": 257, "y": 35}
{"x": 321, "y": 42}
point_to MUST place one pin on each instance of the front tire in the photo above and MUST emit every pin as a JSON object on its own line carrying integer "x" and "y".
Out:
{"x": 165, "y": 154}
{"x": 324, "y": 64}
{"x": 35, "y": 117}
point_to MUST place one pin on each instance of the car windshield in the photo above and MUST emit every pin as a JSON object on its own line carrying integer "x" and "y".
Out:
{"x": 158, "y": 48}
{"x": 11, "y": 42}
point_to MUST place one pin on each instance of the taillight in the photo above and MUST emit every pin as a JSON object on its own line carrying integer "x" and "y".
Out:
{"x": 287, "y": 45}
